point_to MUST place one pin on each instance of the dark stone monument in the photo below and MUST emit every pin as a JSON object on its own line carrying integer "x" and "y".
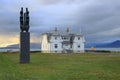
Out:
{"x": 24, "y": 37}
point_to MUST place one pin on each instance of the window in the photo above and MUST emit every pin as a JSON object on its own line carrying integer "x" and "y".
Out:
{"x": 56, "y": 45}
{"x": 64, "y": 37}
{"x": 78, "y": 46}
{"x": 78, "y": 38}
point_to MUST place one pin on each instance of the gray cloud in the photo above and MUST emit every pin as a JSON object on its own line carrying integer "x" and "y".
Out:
{"x": 52, "y": 2}
{"x": 95, "y": 18}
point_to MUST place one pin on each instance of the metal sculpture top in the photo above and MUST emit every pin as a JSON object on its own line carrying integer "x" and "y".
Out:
{"x": 24, "y": 20}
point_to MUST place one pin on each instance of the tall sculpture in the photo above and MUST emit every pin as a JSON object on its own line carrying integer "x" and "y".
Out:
{"x": 24, "y": 37}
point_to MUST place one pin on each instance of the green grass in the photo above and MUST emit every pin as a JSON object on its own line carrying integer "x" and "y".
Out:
{"x": 61, "y": 67}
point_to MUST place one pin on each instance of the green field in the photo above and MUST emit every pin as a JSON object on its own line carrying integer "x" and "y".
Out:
{"x": 104, "y": 66}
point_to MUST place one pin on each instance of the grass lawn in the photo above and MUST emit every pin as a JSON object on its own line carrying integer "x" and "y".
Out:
{"x": 105, "y": 66}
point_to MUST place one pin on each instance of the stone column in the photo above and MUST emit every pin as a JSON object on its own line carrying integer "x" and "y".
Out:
{"x": 24, "y": 47}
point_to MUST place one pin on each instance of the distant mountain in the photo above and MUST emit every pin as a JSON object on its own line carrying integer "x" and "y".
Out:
{"x": 16, "y": 46}
{"x": 114, "y": 44}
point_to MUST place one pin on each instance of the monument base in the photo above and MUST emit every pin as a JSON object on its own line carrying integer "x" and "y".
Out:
{"x": 24, "y": 47}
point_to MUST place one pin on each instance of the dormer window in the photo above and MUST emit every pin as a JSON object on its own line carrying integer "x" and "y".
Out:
{"x": 78, "y": 38}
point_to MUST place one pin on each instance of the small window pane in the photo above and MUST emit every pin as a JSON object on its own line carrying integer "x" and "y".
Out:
{"x": 56, "y": 46}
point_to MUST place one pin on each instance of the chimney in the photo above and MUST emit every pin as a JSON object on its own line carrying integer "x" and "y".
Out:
{"x": 67, "y": 30}
{"x": 55, "y": 29}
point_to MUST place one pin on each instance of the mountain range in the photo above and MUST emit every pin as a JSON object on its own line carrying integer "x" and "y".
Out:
{"x": 114, "y": 44}
{"x": 16, "y": 46}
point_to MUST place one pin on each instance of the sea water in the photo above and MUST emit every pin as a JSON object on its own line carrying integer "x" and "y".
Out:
{"x": 14, "y": 50}
{"x": 106, "y": 49}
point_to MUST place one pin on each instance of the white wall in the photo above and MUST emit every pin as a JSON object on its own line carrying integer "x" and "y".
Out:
{"x": 54, "y": 41}
{"x": 77, "y": 43}
{"x": 59, "y": 39}
{"x": 52, "y": 47}
{"x": 66, "y": 47}
{"x": 45, "y": 46}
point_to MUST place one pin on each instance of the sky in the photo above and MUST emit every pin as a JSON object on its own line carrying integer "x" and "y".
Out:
{"x": 97, "y": 20}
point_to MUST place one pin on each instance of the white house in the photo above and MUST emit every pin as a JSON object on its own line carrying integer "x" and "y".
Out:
{"x": 59, "y": 42}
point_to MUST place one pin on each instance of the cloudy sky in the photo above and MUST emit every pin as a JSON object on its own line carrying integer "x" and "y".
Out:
{"x": 98, "y": 20}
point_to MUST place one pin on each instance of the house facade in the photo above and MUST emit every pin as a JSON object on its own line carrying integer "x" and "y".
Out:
{"x": 58, "y": 42}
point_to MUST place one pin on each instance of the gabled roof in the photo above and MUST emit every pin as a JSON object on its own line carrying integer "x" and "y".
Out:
{"x": 62, "y": 34}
